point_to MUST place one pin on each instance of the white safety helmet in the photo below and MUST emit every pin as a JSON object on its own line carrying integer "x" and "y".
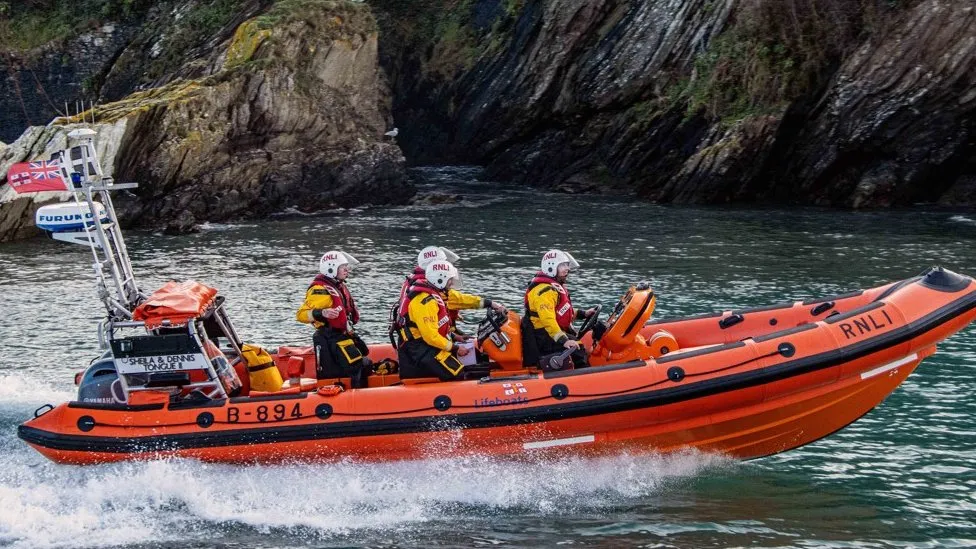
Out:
{"x": 439, "y": 273}
{"x": 431, "y": 254}
{"x": 552, "y": 259}
{"x": 332, "y": 260}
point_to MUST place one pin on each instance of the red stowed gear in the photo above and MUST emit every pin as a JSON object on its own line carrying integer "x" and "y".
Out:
{"x": 348, "y": 314}
{"x": 564, "y": 306}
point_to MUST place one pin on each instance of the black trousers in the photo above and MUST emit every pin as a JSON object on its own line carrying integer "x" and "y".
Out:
{"x": 536, "y": 344}
{"x": 418, "y": 359}
{"x": 341, "y": 355}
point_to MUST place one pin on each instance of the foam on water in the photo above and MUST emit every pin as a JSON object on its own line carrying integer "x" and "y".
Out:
{"x": 211, "y": 226}
{"x": 17, "y": 390}
{"x": 46, "y": 505}
{"x": 963, "y": 219}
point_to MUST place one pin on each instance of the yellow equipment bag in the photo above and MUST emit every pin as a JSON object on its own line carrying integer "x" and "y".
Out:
{"x": 261, "y": 369}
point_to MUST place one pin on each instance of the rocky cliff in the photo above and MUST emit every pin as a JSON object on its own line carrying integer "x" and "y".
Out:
{"x": 844, "y": 103}
{"x": 240, "y": 107}
{"x": 291, "y": 113}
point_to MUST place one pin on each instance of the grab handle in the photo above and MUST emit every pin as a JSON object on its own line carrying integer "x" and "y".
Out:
{"x": 730, "y": 321}
{"x": 822, "y": 308}
{"x": 39, "y": 413}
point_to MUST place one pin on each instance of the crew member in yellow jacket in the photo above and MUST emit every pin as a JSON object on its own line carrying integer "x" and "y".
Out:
{"x": 430, "y": 346}
{"x": 456, "y": 300}
{"x": 331, "y": 309}
{"x": 547, "y": 326}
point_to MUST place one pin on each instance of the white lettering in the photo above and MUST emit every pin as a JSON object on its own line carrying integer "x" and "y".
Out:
{"x": 159, "y": 363}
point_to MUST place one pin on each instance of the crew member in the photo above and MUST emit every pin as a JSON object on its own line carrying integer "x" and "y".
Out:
{"x": 547, "y": 326}
{"x": 455, "y": 301}
{"x": 429, "y": 347}
{"x": 330, "y": 308}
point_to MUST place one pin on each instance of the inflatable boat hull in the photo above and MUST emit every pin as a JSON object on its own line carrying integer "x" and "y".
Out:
{"x": 776, "y": 379}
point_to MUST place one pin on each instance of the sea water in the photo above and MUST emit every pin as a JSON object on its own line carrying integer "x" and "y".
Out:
{"x": 902, "y": 476}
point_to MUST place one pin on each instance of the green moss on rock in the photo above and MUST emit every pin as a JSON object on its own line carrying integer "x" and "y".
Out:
{"x": 138, "y": 102}
{"x": 334, "y": 18}
{"x": 247, "y": 39}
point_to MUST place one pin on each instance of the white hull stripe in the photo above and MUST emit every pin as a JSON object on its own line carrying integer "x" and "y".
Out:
{"x": 557, "y": 442}
{"x": 889, "y": 366}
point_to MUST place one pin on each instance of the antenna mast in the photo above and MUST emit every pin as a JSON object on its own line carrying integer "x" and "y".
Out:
{"x": 82, "y": 173}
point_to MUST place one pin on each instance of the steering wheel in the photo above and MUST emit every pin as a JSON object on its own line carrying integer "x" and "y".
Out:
{"x": 491, "y": 324}
{"x": 619, "y": 308}
{"x": 590, "y": 322}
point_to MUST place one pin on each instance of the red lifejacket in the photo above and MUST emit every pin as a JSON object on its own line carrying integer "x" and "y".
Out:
{"x": 413, "y": 278}
{"x": 564, "y": 307}
{"x": 348, "y": 315}
{"x": 444, "y": 323}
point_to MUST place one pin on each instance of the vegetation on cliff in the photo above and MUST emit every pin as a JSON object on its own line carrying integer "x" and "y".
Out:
{"x": 453, "y": 34}
{"x": 775, "y": 52}
{"x": 25, "y": 24}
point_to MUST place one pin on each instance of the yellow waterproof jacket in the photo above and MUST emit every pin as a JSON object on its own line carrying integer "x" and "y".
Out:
{"x": 542, "y": 301}
{"x": 456, "y": 301}
{"x": 317, "y": 297}
{"x": 427, "y": 319}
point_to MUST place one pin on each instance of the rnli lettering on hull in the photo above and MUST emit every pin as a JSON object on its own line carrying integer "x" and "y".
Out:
{"x": 865, "y": 324}
{"x": 160, "y": 363}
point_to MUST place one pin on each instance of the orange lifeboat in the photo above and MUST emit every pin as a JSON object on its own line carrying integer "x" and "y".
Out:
{"x": 747, "y": 383}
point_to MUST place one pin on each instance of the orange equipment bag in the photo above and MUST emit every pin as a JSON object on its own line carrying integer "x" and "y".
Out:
{"x": 177, "y": 302}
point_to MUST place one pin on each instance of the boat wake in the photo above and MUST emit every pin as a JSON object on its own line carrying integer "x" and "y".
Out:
{"x": 46, "y": 505}
{"x": 18, "y": 391}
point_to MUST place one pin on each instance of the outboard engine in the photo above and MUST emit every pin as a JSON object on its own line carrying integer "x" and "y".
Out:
{"x": 100, "y": 384}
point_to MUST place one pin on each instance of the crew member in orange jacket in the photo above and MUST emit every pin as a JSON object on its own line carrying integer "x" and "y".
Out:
{"x": 331, "y": 309}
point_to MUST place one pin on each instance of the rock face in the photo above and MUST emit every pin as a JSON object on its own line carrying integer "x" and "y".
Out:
{"x": 151, "y": 45}
{"x": 613, "y": 95}
{"x": 897, "y": 126}
{"x": 236, "y": 108}
{"x": 292, "y": 116}
{"x": 35, "y": 85}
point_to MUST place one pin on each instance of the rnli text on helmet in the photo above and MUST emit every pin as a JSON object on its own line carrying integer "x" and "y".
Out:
{"x": 440, "y": 267}
{"x": 430, "y": 254}
{"x": 550, "y": 255}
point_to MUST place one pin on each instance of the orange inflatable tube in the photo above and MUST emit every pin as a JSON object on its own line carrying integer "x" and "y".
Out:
{"x": 746, "y": 383}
